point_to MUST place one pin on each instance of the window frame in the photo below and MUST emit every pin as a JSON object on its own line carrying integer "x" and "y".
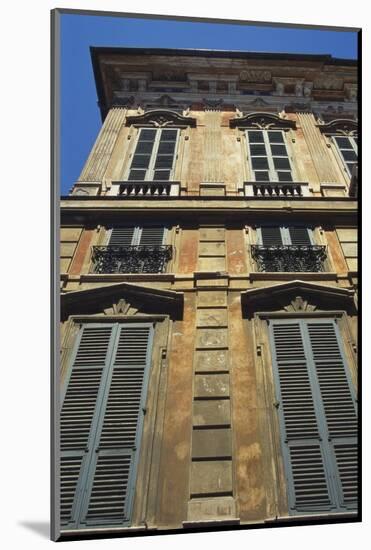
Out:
{"x": 137, "y": 234}
{"x": 285, "y": 234}
{"x": 338, "y": 150}
{"x": 150, "y": 170}
{"x": 272, "y": 171}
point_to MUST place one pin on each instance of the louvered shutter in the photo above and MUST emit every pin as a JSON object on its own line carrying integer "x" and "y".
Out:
{"x": 299, "y": 236}
{"x": 271, "y": 236}
{"x": 121, "y": 236}
{"x": 338, "y": 405}
{"x": 315, "y": 404}
{"x": 79, "y": 415}
{"x": 152, "y": 236}
{"x": 105, "y": 483}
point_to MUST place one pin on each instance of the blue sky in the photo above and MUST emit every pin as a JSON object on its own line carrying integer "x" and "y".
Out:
{"x": 80, "y": 116}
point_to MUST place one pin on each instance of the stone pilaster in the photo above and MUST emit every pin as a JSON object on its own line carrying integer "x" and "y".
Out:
{"x": 314, "y": 139}
{"x": 101, "y": 152}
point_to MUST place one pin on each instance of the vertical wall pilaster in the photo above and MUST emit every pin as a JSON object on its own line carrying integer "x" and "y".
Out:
{"x": 320, "y": 156}
{"x": 99, "y": 157}
{"x": 213, "y": 147}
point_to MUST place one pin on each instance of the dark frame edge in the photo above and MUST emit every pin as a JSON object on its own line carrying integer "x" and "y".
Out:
{"x": 55, "y": 268}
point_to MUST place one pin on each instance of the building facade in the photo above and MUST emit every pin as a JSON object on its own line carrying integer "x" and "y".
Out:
{"x": 208, "y": 295}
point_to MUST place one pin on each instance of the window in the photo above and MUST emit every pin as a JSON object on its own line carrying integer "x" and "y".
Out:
{"x": 154, "y": 155}
{"x": 268, "y": 156}
{"x": 145, "y": 236}
{"x": 287, "y": 249}
{"x": 133, "y": 249}
{"x": 347, "y": 147}
{"x": 272, "y": 236}
{"x": 101, "y": 423}
{"x": 317, "y": 415}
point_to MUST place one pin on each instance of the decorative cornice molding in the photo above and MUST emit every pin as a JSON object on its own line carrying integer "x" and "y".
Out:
{"x": 341, "y": 125}
{"x": 146, "y": 300}
{"x": 262, "y": 121}
{"x": 161, "y": 118}
{"x": 297, "y": 296}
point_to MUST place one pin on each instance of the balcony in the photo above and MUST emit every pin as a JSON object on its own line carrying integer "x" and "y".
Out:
{"x": 280, "y": 189}
{"x": 131, "y": 259}
{"x": 140, "y": 189}
{"x": 290, "y": 258}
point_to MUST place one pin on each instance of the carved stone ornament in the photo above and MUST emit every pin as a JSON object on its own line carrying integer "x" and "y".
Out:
{"x": 297, "y": 296}
{"x": 262, "y": 121}
{"x": 122, "y": 299}
{"x": 161, "y": 118}
{"x": 343, "y": 126}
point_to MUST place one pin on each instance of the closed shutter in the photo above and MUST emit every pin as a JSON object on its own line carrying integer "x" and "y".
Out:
{"x": 299, "y": 236}
{"x": 152, "y": 236}
{"x": 271, "y": 236}
{"x": 101, "y": 424}
{"x": 317, "y": 416}
{"x": 338, "y": 405}
{"x": 121, "y": 236}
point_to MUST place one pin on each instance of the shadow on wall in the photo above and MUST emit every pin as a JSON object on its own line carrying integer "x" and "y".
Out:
{"x": 42, "y": 528}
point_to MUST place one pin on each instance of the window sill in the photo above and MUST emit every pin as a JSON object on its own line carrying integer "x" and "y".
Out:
{"x": 289, "y": 275}
{"x": 118, "y": 277}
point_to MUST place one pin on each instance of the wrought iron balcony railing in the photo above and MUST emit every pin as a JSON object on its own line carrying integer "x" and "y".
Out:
{"x": 131, "y": 259}
{"x": 289, "y": 257}
{"x": 281, "y": 189}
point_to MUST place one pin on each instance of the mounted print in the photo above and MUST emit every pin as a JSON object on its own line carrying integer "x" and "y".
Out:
{"x": 206, "y": 375}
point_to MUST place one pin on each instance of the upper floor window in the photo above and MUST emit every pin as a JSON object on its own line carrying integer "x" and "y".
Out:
{"x": 154, "y": 155}
{"x": 288, "y": 249}
{"x": 347, "y": 147}
{"x": 343, "y": 135}
{"x": 268, "y": 156}
{"x": 133, "y": 249}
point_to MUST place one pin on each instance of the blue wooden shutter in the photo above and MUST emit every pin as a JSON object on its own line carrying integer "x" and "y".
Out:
{"x": 317, "y": 416}
{"x": 339, "y": 407}
{"x": 79, "y": 414}
{"x": 103, "y": 488}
